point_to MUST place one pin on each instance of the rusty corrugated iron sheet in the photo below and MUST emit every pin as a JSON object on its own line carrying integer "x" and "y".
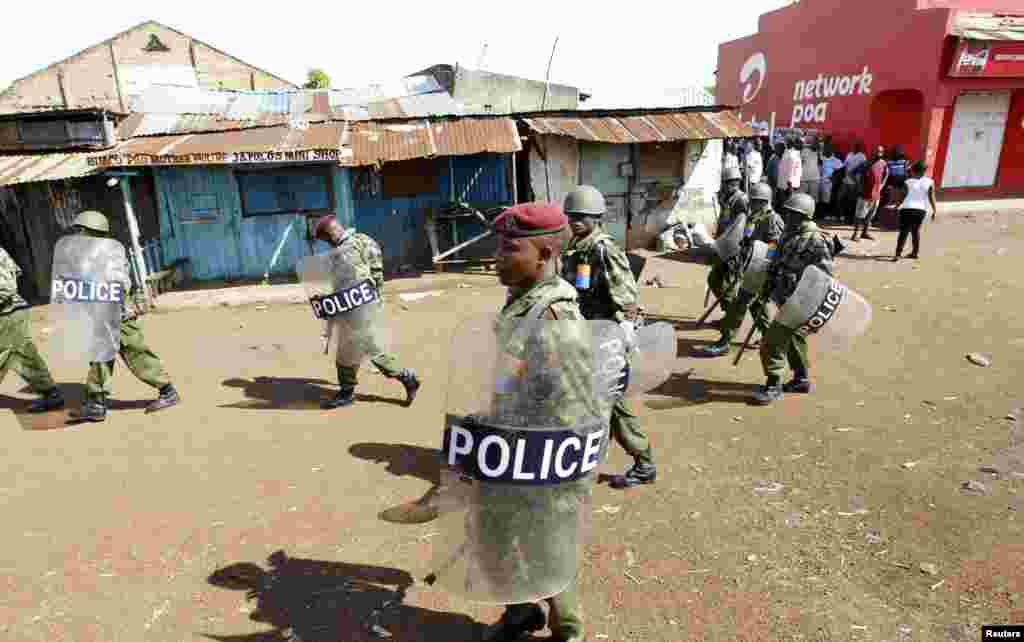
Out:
{"x": 372, "y": 143}
{"x": 987, "y": 26}
{"x": 29, "y": 168}
{"x": 643, "y": 128}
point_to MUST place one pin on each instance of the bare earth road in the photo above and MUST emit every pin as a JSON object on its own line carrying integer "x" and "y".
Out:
{"x": 832, "y": 517}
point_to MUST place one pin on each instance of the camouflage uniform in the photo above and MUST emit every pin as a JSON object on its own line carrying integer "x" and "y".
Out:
{"x": 724, "y": 279}
{"x": 803, "y": 245}
{"x": 558, "y": 301}
{"x": 17, "y": 350}
{"x": 767, "y": 226}
{"x": 612, "y": 295}
{"x": 140, "y": 359}
{"x": 363, "y": 253}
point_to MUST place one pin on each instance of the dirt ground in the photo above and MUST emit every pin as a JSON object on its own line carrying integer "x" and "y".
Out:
{"x": 809, "y": 520}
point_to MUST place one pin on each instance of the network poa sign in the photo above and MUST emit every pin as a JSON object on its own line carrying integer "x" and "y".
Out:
{"x": 217, "y": 158}
{"x": 811, "y": 98}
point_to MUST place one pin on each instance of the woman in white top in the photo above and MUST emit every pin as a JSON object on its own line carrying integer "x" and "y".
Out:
{"x": 918, "y": 194}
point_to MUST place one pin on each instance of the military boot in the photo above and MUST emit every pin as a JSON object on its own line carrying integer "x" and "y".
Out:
{"x": 168, "y": 397}
{"x": 93, "y": 409}
{"x": 717, "y": 349}
{"x": 515, "y": 622}
{"x": 767, "y": 394}
{"x": 51, "y": 400}
{"x": 800, "y": 384}
{"x": 412, "y": 384}
{"x": 865, "y": 235}
{"x": 639, "y": 473}
{"x": 345, "y": 397}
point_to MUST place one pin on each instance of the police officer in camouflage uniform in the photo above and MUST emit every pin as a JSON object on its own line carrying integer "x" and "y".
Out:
{"x": 607, "y": 290}
{"x": 725, "y": 276}
{"x": 17, "y": 349}
{"x": 370, "y": 266}
{"x": 529, "y": 240}
{"x": 764, "y": 225}
{"x": 803, "y": 244}
{"x": 142, "y": 362}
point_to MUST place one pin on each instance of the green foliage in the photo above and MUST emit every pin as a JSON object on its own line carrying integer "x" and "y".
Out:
{"x": 317, "y": 79}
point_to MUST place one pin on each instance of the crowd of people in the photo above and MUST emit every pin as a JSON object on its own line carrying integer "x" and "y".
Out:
{"x": 850, "y": 188}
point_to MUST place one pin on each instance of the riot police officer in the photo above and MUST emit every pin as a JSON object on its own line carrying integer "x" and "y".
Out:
{"x": 725, "y": 275}
{"x": 607, "y": 290}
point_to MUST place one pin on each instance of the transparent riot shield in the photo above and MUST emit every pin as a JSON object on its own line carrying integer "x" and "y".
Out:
{"x": 525, "y": 430}
{"x": 89, "y": 284}
{"x": 824, "y": 306}
{"x": 651, "y": 359}
{"x": 756, "y": 272}
{"x": 344, "y": 299}
{"x": 728, "y": 244}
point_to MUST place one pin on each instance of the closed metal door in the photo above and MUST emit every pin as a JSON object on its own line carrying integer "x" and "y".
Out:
{"x": 975, "y": 139}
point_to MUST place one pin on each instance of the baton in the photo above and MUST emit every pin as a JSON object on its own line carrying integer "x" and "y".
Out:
{"x": 327, "y": 337}
{"x": 707, "y": 313}
{"x": 707, "y": 294}
{"x": 746, "y": 344}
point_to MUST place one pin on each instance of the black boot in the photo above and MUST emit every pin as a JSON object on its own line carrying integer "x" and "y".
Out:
{"x": 412, "y": 384}
{"x": 640, "y": 473}
{"x": 515, "y": 622}
{"x": 168, "y": 397}
{"x": 51, "y": 400}
{"x": 345, "y": 397}
{"x": 93, "y": 409}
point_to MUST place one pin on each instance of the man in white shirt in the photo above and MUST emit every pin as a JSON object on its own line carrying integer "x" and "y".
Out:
{"x": 755, "y": 164}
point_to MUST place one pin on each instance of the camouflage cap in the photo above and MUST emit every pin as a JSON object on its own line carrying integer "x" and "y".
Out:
{"x": 537, "y": 218}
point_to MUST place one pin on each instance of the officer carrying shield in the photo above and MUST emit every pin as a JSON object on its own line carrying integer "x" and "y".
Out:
{"x": 529, "y": 240}
{"x": 364, "y": 261}
{"x": 764, "y": 225}
{"x": 607, "y": 289}
{"x": 142, "y": 362}
{"x": 803, "y": 244}
{"x": 725, "y": 275}
{"x": 17, "y": 349}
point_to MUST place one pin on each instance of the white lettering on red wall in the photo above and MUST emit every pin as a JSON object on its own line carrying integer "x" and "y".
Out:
{"x": 811, "y": 98}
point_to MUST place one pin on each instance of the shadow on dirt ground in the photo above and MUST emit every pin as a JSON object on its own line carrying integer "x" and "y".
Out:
{"x": 307, "y": 600}
{"x": 406, "y": 461}
{"x": 291, "y": 393}
{"x": 688, "y": 391}
{"x": 58, "y": 419}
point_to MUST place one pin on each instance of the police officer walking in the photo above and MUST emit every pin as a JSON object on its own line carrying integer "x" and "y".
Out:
{"x": 368, "y": 263}
{"x": 17, "y": 349}
{"x": 803, "y": 244}
{"x": 607, "y": 290}
{"x": 725, "y": 275}
{"x": 764, "y": 225}
{"x": 529, "y": 240}
{"x": 141, "y": 361}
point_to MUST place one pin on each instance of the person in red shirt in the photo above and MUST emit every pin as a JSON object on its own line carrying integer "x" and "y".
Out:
{"x": 875, "y": 177}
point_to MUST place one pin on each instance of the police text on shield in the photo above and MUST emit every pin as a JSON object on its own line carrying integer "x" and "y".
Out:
{"x": 344, "y": 300}
{"x": 81, "y": 291}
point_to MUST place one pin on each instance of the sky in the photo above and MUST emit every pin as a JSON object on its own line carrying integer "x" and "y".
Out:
{"x": 613, "y": 53}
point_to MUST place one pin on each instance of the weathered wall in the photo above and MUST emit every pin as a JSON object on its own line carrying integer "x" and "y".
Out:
{"x": 561, "y": 170}
{"x": 88, "y": 76}
{"x": 508, "y": 94}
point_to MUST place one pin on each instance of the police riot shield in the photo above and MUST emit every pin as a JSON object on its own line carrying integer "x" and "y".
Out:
{"x": 728, "y": 244}
{"x": 89, "y": 284}
{"x": 651, "y": 358}
{"x": 347, "y": 303}
{"x": 526, "y": 427}
{"x": 756, "y": 271}
{"x": 822, "y": 305}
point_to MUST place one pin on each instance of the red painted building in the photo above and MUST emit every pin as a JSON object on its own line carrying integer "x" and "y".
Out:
{"x": 942, "y": 78}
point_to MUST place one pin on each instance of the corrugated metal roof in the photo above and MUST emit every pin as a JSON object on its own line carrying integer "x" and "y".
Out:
{"x": 373, "y": 143}
{"x": 985, "y": 26}
{"x": 644, "y": 128}
{"x": 29, "y": 168}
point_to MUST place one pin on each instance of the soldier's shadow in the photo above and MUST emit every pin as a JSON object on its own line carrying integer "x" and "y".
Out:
{"x": 691, "y": 391}
{"x": 74, "y": 394}
{"x": 290, "y": 393}
{"x": 318, "y": 601}
{"x": 404, "y": 460}
{"x": 685, "y": 324}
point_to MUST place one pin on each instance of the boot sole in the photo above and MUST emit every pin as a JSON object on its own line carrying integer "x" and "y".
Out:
{"x": 164, "y": 406}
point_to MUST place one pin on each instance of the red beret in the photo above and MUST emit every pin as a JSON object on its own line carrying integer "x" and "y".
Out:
{"x": 531, "y": 219}
{"x": 321, "y": 225}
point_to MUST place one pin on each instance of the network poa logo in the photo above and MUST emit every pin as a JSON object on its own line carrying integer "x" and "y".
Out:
{"x": 755, "y": 64}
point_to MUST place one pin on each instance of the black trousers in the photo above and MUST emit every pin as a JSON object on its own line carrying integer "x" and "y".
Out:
{"x": 910, "y": 224}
